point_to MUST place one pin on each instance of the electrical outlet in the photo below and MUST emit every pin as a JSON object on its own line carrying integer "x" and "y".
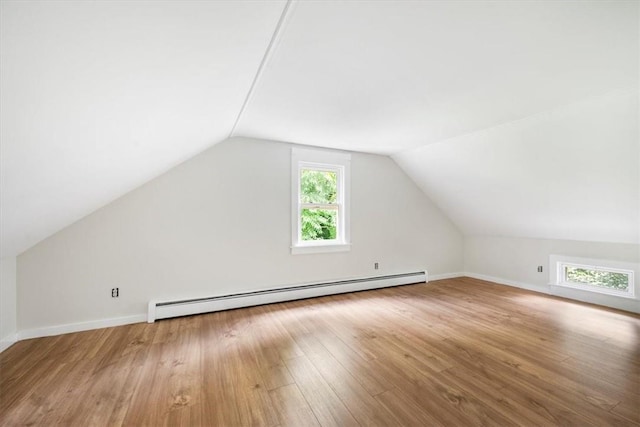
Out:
{"x": 115, "y": 292}
{"x": 539, "y": 269}
{"x": 375, "y": 266}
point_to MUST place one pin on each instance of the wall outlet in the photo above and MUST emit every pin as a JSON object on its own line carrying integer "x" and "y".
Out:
{"x": 115, "y": 292}
{"x": 539, "y": 269}
{"x": 375, "y": 266}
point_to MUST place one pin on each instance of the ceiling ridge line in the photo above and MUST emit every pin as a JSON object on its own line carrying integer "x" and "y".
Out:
{"x": 610, "y": 94}
{"x": 267, "y": 55}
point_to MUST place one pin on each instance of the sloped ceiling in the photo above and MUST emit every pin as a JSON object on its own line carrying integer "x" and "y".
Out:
{"x": 99, "y": 97}
{"x": 570, "y": 173}
{"x": 387, "y": 76}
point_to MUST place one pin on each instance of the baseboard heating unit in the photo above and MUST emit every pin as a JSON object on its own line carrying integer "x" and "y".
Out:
{"x": 167, "y": 309}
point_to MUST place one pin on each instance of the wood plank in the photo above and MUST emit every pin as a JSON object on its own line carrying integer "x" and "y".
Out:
{"x": 453, "y": 352}
{"x": 325, "y": 404}
{"x": 291, "y": 407}
{"x": 406, "y": 412}
{"x": 364, "y": 408}
{"x": 629, "y": 409}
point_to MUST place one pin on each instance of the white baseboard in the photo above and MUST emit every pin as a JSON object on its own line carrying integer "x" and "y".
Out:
{"x": 184, "y": 307}
{"x": 138, "y": 318}
{"x": 7, "y": 342}
{"x": 79, "y": 327}
{"x": 514, "y": 283}
{"x": 626, "y": 304}
{"x": 620, "y": 303}
{"x": 445, "y": 276}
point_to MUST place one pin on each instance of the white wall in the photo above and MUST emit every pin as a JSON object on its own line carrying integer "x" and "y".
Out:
{"x": 98, "y": 97}
{"x": 220, "y": 223}
{"x": 514, "y": 261}
{"x": 572, "y": 173}
{"x": 7, "y": 302}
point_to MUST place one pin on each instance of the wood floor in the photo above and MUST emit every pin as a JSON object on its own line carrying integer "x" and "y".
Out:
{"x": 455, "y": 352}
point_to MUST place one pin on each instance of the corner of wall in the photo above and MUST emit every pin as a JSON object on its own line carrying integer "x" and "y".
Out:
{"x": 8, "y": 303}
{"x": 513, "y": 261}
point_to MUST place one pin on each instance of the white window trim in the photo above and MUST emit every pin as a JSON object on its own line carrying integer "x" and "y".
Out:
{"x": 328, "y": 160}
{"x": 558, "y": 262}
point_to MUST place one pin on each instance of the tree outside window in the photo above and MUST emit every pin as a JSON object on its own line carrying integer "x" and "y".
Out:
{"x": 319, "y": 188}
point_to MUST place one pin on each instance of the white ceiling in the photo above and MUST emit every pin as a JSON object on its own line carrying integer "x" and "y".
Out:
{"x": 570, "y": 173}
{"x": 383, "y": 76}
{"x": 99, "y": 97}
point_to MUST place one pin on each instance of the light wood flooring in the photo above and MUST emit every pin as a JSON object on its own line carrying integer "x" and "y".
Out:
{"x": 456, "y": 352}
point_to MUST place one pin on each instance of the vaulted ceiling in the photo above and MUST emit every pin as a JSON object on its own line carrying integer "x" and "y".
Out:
{"x": 481, "y": 102}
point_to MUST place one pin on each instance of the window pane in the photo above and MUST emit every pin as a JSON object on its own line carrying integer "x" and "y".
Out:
{"x": 319, "y": 224}
{"x": 603, "y": 279}
{"x": 318, "y": 186}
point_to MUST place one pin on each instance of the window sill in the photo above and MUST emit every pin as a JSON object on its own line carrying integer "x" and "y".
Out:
{"x": 321, "y": 248}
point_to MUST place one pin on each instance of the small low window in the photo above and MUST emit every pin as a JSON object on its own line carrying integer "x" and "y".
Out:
{"x": 596, "y": 279}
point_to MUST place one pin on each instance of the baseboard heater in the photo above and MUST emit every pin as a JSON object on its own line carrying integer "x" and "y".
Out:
{"x": 167, "y": 309}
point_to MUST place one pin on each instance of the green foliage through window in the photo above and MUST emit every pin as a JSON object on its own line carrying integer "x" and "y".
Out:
{"x": 603, "y": 279}
{"x": 319, "y": 224}
{"x": 319, "y": 187}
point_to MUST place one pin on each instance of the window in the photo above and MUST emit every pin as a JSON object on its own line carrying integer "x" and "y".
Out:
{"x": 320, "y": 201}
{"x": 606, "y": 277}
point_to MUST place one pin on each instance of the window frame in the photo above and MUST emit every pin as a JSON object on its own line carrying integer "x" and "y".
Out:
{"x": 322, "y": 160}
{"x": 558, "y": 264}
